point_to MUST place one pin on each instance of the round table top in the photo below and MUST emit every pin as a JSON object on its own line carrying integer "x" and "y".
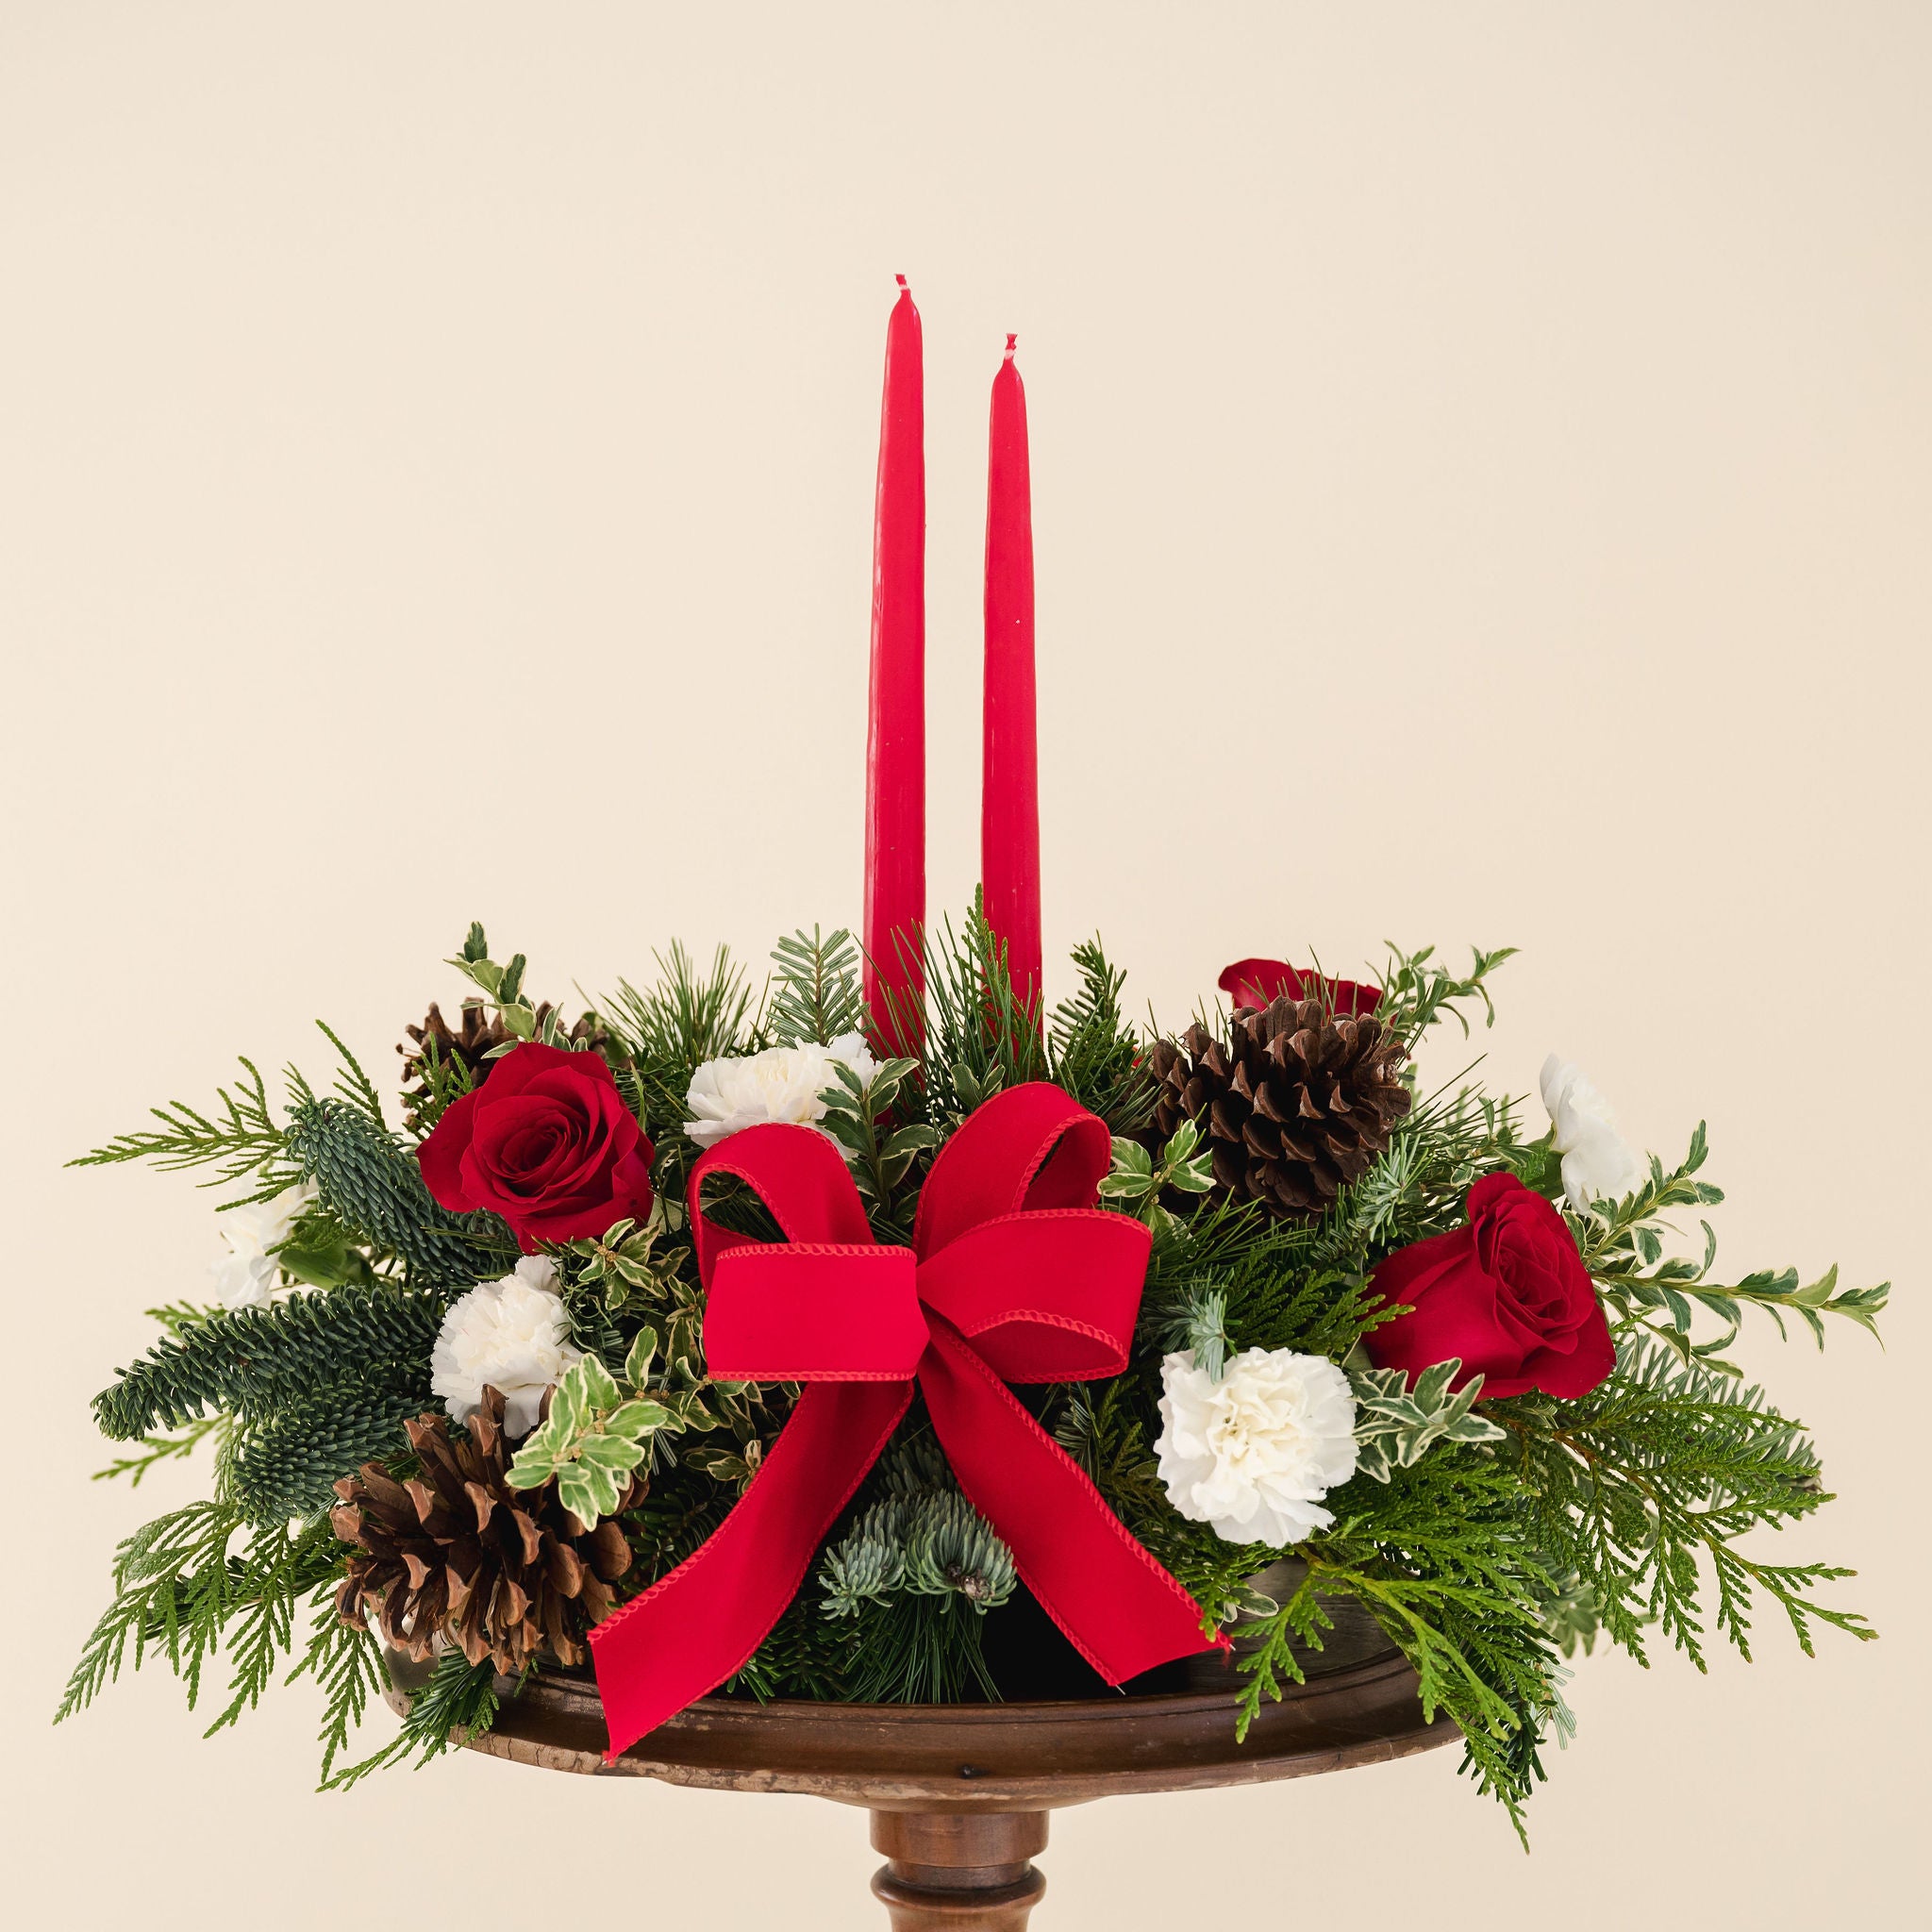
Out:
{"x": 983, "y": 1757}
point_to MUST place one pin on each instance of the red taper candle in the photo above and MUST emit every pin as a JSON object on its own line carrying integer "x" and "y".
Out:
{"x": 895, "y": 739}
{"x": 1009, "y": 786}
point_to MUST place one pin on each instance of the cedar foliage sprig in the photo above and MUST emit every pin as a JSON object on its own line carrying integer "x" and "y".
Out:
{"x": 238, "y": 1140}
{"x": 459, "y": 1700}
{"x": 1647, "y": 1483}
{"x": 179, "y": 1593}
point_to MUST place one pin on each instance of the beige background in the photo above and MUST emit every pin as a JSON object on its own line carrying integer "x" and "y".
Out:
{"x": 1482, "y": 483}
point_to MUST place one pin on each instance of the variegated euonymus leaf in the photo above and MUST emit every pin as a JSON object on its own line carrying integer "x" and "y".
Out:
{"x": 1137, "y": 1179}
{"x": 595, "y": 1435}
{"x": 1396, "y": 1423}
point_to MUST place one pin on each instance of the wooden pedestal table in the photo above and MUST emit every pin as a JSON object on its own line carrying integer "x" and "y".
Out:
{"x": 959, "y": 1794}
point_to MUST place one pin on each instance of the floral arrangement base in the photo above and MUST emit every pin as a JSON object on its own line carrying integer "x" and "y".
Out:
{"x": 959, "y": 1794}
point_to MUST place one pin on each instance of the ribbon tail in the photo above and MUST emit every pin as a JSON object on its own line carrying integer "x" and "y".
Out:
{"x": 700, "y": 1624}
{"x": 1118, "y": 1606}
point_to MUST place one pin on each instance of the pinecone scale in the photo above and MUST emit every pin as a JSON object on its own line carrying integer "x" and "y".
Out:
{"x": 454, "y": 1552}
{"x": 1295, "y": 1105}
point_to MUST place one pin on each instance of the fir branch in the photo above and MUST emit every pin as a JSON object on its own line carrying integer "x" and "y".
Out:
{"x": 376, "y": 1187}
{"x": 981, "y": 1037}
{"x": 669, "y": 1032}
{"x": 817, "y": 995}
{"x": 251, "y": 1362}
{"x": 287, "y": 1464}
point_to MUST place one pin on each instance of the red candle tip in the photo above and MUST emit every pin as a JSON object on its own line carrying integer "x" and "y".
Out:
{"x": 1010, "y": 341}
{"x": 901, "y": 280}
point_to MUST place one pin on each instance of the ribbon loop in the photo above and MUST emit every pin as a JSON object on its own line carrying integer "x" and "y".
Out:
{"x": 1014, "y": 1276}
{"x": 1044, "y": 1297}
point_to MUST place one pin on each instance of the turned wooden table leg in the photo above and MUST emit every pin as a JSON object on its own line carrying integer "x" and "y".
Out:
{"x": 959, "y": 1871}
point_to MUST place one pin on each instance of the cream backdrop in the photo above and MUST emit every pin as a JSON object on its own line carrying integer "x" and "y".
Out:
{"x": 1482, "y": 491}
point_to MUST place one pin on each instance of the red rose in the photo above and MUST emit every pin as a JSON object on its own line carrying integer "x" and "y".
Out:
{"x": 547, "y": 1144}
{"x": 1255, "y": 982}
{"x": 1506, "y": 1291}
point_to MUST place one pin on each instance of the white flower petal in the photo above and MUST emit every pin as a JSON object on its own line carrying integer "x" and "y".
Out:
{"x": 783, "y": 1083}
{"x": 507, "y": 1335}
{"x": 1252, "y": 1454}
{"x": 1598, "y": 1163}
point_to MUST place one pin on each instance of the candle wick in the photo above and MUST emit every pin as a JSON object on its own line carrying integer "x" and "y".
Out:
{"x": 1010, "y": 341}
{"x": 901, "y": 280}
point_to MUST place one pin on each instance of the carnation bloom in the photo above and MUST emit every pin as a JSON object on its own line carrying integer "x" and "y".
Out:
{"x": 1598, "y": 1163}
{"x": 783, "y": 1083}
{"x": 247, "y": 1274}
{"x": 1253, "y": 1455}
{"x": 507, "y": 1335}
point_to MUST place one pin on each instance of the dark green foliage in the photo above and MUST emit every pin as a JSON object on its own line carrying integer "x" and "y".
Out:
{"x": 376, "y": 1187}
{"x": 979, "y": 1037}
{"x": 1094, "y": 1049}
{"x": 802, "y": 1657}
{"x": 286, "y": 1464}
{"x": 668, "y": 1033}
{"x": 252, "y": 1362}
{"x": 1644, "y": 1487}
{"x": 310, "y": 1388}
{"x": 1482, "y": 1557}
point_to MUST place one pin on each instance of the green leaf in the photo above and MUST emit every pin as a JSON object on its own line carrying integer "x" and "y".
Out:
{"x": 636, "y": 1419}
{"x": 597, "y": 1387}
{"x": 618, "y": 1454}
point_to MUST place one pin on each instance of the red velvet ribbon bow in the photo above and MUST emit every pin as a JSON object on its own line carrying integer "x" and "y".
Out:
{"x": 1013, "y": 1275}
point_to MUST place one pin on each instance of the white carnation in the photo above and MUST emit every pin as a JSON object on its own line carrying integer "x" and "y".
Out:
{"x": 1598, "y": 1163}
{"x": 247, "y": 1275}
{"x": 506, "y": 1335}
{"x": 783, "y": 1083}
{"x": 1253, "y": 1455}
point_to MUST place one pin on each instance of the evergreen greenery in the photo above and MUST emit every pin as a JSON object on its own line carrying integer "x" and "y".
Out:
{"x": 376, "y": 1187}
{"x": 1488, "y": 1538}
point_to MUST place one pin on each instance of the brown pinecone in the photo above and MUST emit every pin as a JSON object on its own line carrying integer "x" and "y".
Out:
{"x": 1296, "y": 1105}
{"x": 455, "y": 1550}
{"x": 473, "y": 1045}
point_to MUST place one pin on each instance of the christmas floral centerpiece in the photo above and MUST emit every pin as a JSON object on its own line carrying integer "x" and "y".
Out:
{"x": 875, "y": 1329}
{"x": 502, "y": 1374}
